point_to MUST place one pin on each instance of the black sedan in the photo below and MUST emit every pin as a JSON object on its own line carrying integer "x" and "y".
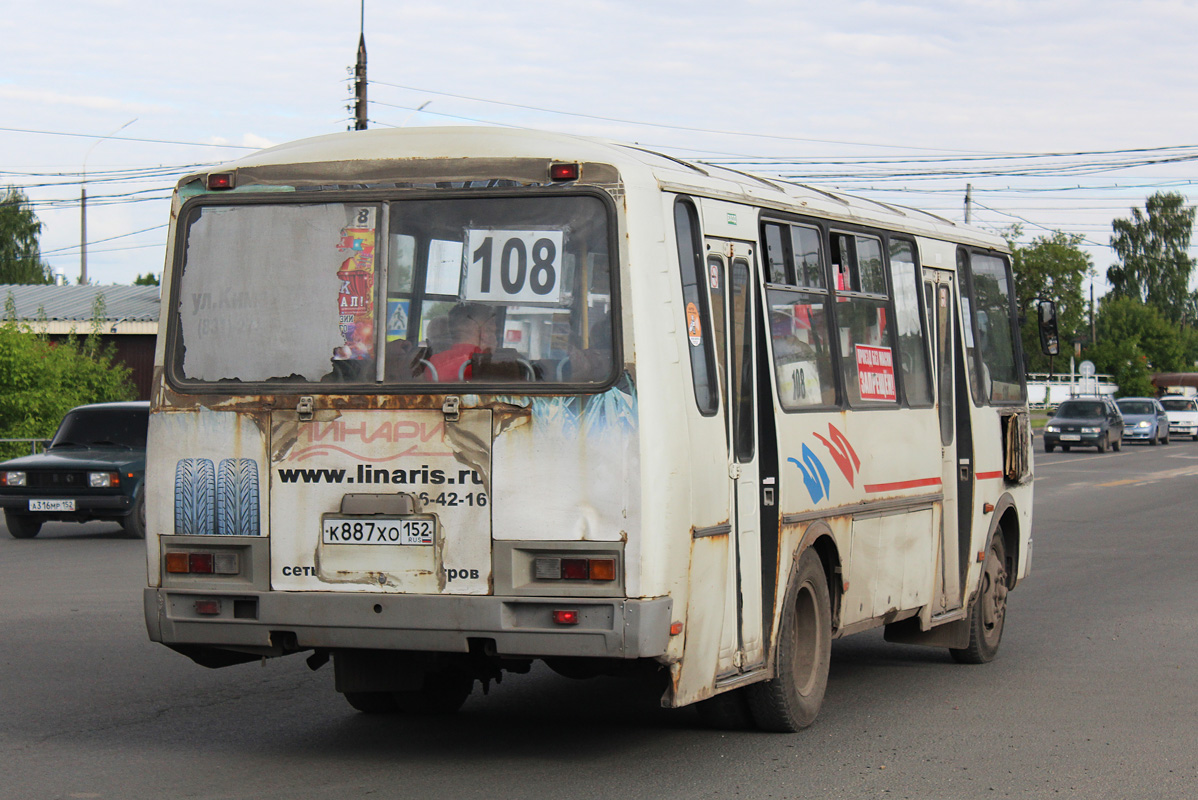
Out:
{"x": 94, "y": 469}
{"x": 1085, "y": 422}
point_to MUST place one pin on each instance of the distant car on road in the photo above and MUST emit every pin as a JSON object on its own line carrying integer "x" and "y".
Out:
{"x": 1085, "y": 422}
{"x": 1145, "y": 420}
{"x": 94, "y": 469}
{"x": 1183, "y": 416}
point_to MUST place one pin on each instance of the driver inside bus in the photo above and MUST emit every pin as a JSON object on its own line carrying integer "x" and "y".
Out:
{"x": 472, "y": 330}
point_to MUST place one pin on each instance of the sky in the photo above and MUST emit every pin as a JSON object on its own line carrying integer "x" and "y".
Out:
{"x": 1060, "y": 114}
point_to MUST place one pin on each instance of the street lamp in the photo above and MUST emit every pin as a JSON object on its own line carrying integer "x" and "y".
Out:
{"x": 83, "y": 203}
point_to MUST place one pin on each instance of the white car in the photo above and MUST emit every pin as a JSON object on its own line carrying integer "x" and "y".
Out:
{"x": 1183, "y": 416}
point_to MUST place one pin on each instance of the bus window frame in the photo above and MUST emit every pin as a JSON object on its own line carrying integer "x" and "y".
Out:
{"x": 843, "y": 295}
{"x": 382, "y": 198}
{"x": 921, "y": 303}
{"x": 706, "y": 347}
{"x": 965, "y": 255}
{"x": 787, "y": 222}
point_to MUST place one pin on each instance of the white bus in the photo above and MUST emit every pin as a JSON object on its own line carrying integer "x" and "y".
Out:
{"x": 437, "y": 403}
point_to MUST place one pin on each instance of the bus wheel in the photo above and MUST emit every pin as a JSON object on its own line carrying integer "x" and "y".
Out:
{"x": 372, "y": 702}
{"x": 443, "y": 693}
{"x": 726, "y": 712}
{"x": 989, "y": 611}
{"x": 792, "y": 698}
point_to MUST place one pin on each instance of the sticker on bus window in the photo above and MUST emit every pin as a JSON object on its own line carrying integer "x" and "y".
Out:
{"x": 444, "y": 267}
{"x": 694, "y": 328}
{"x": 355, "y": 301}
{"x": 514, "y": 266}
{"x": 875, "y": 373}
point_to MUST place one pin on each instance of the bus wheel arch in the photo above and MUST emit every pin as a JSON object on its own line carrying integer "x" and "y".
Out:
{"x": 1006, "y": 524}
{"x": 819, "y": 537}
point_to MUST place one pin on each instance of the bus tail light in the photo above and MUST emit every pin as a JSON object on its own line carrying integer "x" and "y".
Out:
{"x": 554, "y": 568}
{"x": 564, "y": 172}
{"x": 565, "y": 616}
{"x": 202, "y": 563}
{"x": 220, "y": 180}
{"x": 207, "y": 607}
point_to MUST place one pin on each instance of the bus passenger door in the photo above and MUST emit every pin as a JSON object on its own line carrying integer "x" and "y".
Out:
{"x": 731, "y": 264}
{"x": 952, "y": 404}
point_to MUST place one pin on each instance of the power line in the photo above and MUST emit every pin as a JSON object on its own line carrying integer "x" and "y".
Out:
{"x": 128, "y": 139}
{"x": 101, "y": 241}
{"x": 662, "y": 126}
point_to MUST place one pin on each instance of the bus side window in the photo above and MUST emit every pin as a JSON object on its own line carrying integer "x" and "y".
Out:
{"x": 864, "y": 319}
{"x": 990, "y": 333}
{"x": 800, "y": 325}
{"x": 697, "y": 317}
{"x": 912, "y": 346}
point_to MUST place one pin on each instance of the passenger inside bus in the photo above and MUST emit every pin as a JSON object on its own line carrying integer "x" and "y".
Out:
{"x": 472, "y": 328}
{"x": 592, "y": 361}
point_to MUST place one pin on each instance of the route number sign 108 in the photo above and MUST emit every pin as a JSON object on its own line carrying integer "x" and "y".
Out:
{"x": 514, "y": 266}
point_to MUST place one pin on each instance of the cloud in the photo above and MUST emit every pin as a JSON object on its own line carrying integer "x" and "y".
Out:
{"x": 89, "y": 102}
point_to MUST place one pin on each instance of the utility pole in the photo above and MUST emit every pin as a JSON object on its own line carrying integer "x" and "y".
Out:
{"x": 360, "y": 77}
{"x": 83, "y": 202}
{"x": 968, "y": 201}
{"x": 1093, "y": 330}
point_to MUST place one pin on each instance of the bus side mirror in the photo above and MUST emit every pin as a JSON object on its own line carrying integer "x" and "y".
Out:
{"x": 1049, "y": 343}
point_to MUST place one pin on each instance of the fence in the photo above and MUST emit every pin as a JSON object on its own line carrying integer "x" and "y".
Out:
{"x": 1044, "y": 391}
{"x": 34, "y": 444}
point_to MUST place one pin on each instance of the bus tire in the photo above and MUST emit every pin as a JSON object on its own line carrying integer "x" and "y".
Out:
{"x": 442, "y": 693}
{"x": 791, "y": 699}
{"x": 372, "y": 702}
{"x": 988, "y": 615}
{"x": 728, "y": 711}
{"x": 237, "y": 499}
{"x": 22, "y": 526}
{"x": 195, "y": 497}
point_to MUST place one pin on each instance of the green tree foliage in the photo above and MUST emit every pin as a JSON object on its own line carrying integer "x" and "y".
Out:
{"x": 41, "y": 380}
{"x": 1134, "y": 341}
{"x": 1153, "y": 250}
{"x": 20, "y": 253}
{"x": 1051, "y": 267}
{"x": 149, "y": 279}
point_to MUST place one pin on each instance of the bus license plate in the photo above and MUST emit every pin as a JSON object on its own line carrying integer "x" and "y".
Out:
{"x": 394, "y": 531}
{"x": 51, "y": 505}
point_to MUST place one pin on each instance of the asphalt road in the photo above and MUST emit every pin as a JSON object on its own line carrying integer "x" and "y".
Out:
{"x": 1093, "y": 695}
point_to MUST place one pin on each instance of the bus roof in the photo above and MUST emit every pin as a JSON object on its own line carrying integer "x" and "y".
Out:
{"x": 328, "y": 158}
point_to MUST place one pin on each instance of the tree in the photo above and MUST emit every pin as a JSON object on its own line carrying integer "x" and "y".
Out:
{"x": 20, "y": 253}
{"x": 41, "y": 380}
{"x": 1135, "y": 340}
{"x": 1153, "y": 248}
{"x": 149, "y": 279}
{"x": 1051, "y": 267}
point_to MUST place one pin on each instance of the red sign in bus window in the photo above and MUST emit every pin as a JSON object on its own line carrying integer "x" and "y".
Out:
{"x": 875, "y": 373}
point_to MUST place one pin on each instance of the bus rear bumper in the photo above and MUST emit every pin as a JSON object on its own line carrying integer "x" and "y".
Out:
{"x": 272, "y": 623}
